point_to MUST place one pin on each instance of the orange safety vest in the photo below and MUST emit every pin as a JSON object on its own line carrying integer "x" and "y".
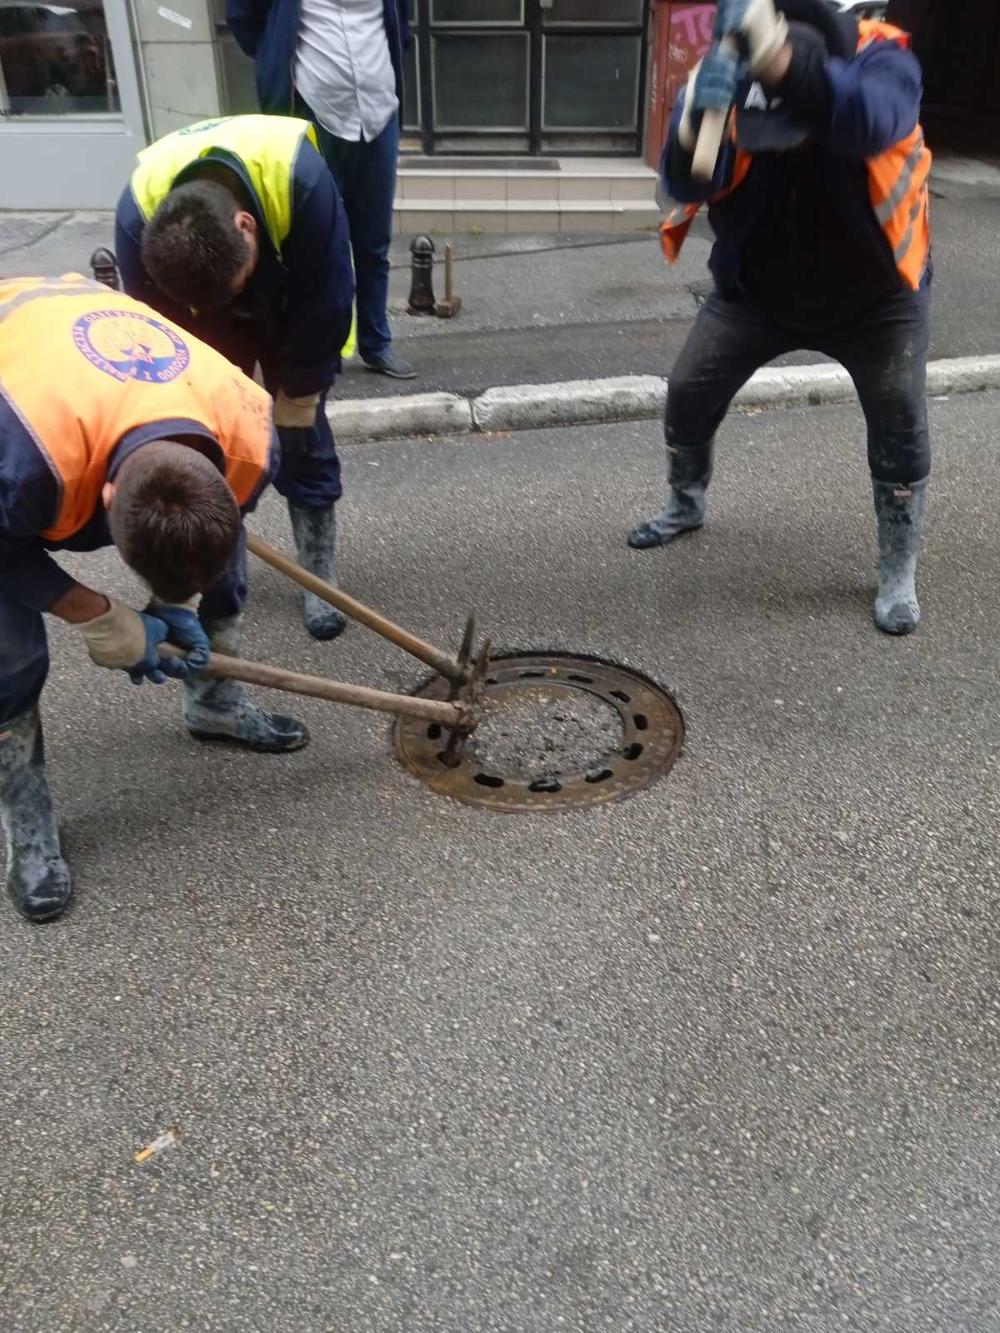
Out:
{"x": 83, "y": 366}
{"x": 897, "y": 186}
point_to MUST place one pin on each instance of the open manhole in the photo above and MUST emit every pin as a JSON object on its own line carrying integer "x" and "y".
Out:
{"x": 558, "y": 732}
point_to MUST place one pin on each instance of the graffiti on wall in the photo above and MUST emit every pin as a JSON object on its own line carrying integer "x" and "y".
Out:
{"x": 689, "y": 38}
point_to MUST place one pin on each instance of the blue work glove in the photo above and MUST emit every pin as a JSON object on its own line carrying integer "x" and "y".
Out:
{"x": 757, "y": 27}
{"x": 716, "y": 82}
{"x": 127, "y": 640}
{"x": 187, "y": 632}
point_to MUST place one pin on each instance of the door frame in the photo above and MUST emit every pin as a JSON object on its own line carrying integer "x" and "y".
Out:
{"x": 539, "y": 141}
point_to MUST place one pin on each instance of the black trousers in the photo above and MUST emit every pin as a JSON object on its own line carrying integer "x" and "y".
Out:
{"x": 884, "y": 351}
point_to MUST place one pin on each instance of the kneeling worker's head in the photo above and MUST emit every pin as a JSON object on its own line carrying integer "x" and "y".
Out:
{"x": 200, "y": 247}
{"x": 173, "y": 518}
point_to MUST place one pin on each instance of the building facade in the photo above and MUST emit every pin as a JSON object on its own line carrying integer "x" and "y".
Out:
{"x": 524, "y": 84}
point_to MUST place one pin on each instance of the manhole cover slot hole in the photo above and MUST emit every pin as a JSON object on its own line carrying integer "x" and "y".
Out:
{"x": 640, "y": 721}
{"x": 633, "y": 751}
{"x": 620, "y": 694}
{"x": 582, "y": 680}
{"x": 488, "y": 780}
{"x": 434, "y": 731}
{"x": 598, "y": 775}
{"x": 545, "y": 784}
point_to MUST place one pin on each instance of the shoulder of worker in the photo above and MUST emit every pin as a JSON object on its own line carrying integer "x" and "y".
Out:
{"x": 318, "y": 218}
{"x": 876, "y": 95}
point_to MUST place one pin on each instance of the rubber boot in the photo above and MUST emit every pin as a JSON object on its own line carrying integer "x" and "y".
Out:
{"x": 219, "y": 710}
{"x": 900, "y": 514}
{"x": 37, "y": 876}
{"x": 315, "y": 532}
{"x": 690, "y": 473}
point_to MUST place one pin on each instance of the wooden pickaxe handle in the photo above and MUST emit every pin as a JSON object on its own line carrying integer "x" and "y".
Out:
{"x": 443, "y": 663}
{"x": 706, "y": 151}
{"x": 222, "y": 667}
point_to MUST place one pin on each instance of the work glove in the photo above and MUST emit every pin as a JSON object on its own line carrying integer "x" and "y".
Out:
{"x": 296, "y": 412}
{"x": 126, "y": 639}
{"x": 712, "y": 85}
{"x": 186, "y": 631}
{"x": 760, "y": 30}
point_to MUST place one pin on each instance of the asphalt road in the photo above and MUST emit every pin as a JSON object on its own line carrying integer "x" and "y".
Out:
{"x": 721, "y": 1057}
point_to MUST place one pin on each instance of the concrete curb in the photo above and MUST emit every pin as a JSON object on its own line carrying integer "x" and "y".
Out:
{"x": 622, "y": 398}
{"x": 412, "y": 414}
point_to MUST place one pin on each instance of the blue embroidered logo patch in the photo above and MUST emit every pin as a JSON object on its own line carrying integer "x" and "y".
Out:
{"x": 131, "y": 346}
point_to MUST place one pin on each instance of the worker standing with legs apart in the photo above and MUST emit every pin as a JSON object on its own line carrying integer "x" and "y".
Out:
{"x": 340, "y": 62}
{"x": 234, "y": 228}
{"x": 116, "y": 426}
{"x": 819, "y": 203}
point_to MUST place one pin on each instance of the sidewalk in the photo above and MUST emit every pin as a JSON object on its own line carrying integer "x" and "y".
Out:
{"x": 549, "y": 308}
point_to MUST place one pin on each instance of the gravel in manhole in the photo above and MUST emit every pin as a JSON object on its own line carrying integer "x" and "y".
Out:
{"x": 544, "y": 733}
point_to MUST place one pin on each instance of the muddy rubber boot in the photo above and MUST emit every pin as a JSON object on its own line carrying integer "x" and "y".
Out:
{"x": 900, "y": 514}
{"x": 315, "y": 533}
{"x": 219, "y": 710}
{"x": 690, "y": 473}
{"x": 37, "y": 877}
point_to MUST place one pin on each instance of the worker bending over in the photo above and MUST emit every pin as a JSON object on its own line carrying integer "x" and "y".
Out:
{"x": 234, "y": 228}
{"x": 819, "y": 203}
{"x": 117, "y": 426}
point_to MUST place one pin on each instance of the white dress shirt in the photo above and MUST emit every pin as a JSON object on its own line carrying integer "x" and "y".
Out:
{"x": 343, "y": 69}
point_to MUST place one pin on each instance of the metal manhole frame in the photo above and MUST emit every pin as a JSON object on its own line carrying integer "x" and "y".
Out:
{"x": 652, "y": 725}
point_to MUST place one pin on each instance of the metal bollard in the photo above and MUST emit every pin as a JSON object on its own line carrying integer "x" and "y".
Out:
{"x": 421, "y": 300}
{"x": 104, "y": 267}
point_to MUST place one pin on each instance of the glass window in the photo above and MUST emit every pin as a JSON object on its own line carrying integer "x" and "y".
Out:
{"x": 477, "y": 11}
{"x": 594, "y": 11}
{"x": 591, "y": 83}
{"x": 481, "y": 83}
{"x": 55, "y": 60}
{"x": 411, "y": 90}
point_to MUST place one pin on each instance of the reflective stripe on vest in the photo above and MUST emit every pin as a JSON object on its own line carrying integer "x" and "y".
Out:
{"x": 676, "y": 225}
{"x": 897, "y": 186}
{"x": 82, "y": 367}
{"x": 266, "y": 146}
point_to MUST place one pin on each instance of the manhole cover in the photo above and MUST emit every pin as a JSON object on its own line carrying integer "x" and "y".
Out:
{"x": 558, "y": 732}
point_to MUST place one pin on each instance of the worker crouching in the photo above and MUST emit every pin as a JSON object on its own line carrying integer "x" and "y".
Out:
{"x": 117, "y": 426}
{"x": 235, "y": 229}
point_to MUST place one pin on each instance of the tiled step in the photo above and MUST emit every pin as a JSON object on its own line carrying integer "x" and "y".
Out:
{"x": 573, "y": 195}
{"x": 522, "y": 215}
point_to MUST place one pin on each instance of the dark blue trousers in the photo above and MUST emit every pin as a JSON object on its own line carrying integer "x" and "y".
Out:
{"x": 884, "y": 350}
{"x": 366, "y": 177}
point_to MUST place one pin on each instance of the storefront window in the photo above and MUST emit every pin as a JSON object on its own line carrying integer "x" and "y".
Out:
{"x": 55, "y": 60}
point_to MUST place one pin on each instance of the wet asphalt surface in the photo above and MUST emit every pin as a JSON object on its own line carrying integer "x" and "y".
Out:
{"x": 720, "y": 1057}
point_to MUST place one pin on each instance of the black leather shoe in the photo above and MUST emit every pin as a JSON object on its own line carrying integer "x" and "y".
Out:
{"x": 388, "y": 363}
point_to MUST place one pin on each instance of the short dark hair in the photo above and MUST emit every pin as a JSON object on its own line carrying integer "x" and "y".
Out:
{"x": 174, "y": 519}
{"x": 191, "y": 246}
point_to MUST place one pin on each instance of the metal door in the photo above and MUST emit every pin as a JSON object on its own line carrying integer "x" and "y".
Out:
{"x": 528, "y": 76}
{"x": 70, "y": 115}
